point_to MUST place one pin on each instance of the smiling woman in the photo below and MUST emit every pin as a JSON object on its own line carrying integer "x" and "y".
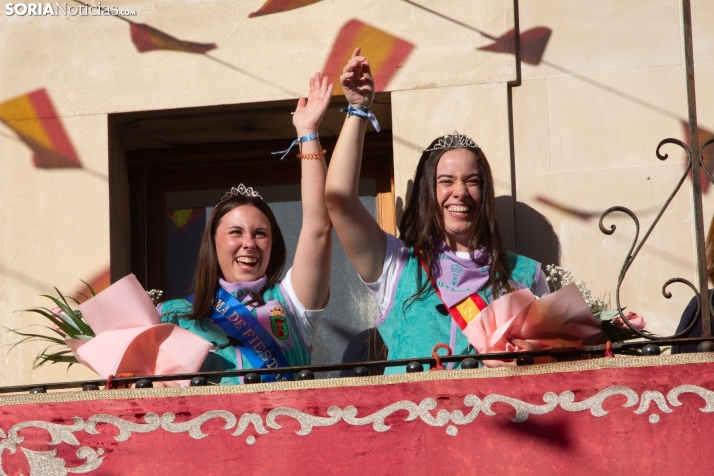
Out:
{"x": 449, "y": 257}
{"x": 253, "y": 319}
{"x": 244, "y": 241}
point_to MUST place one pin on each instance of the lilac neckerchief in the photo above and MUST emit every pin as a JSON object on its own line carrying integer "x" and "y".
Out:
{"x": 272, "y": 315}
{"x": 459, "y": 278}
{"x": 240, "y": 290}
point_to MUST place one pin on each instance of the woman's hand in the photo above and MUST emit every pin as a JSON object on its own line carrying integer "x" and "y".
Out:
{"x": 309, "y": 112}
{"x": 519, "y": 345}
{"x": 357, "y": 81}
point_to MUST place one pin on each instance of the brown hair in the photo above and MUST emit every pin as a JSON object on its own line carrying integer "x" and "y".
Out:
{"x": 710, "y": 252}
{"x": 420, "y": 227}
{"x": 205, "y": 278}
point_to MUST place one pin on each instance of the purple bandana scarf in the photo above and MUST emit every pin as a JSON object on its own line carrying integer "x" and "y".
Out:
{"x": 272, "y": 315}
{"x": 240, "y": 290}
{"x": 459, "y": 278}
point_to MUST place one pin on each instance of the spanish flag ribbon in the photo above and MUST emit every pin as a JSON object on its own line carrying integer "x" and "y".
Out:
{"x": 386, "y": 53}
{"x": 34, "y": 119}
{"x": 465, "y": 310}
{"x": 147, "y": 38}
{"x": 277, "y": 6}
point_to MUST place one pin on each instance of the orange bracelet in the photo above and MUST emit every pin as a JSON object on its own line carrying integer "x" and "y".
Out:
{"x": 313, "y": 155}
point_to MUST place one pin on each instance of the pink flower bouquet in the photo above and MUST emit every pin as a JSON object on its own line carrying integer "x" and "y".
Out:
{"x": 130, "y": 337}
{"x": 560, "y": 319}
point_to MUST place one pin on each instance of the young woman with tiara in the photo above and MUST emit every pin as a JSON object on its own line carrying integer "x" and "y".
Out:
{"x": 240, "y": 305}
{"x": 449, "y": 257}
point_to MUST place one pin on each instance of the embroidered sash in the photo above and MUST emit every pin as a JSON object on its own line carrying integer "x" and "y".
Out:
{"x": 256, "y": 343}
{"x": 464, "y": 311}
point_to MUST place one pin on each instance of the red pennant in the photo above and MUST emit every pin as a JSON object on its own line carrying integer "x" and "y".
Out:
{"x": 147, "y": 38}
{"x": 36, "y": 122}
{"x": 98, "y": 283}
{"x": 386, "y": 53}
{"x": 277, "y": 6}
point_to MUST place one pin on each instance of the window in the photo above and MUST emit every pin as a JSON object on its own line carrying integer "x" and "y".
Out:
{"x": 172, "y": 191}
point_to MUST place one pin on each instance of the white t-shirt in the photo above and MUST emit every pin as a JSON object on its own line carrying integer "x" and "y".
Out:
{"x": 384, "y": 289}
{"x": 306, "y": 321}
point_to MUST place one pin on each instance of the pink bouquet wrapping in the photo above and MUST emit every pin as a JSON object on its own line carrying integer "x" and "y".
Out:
{"x": 560, "y": 319}
{"x": 131, "y": 338}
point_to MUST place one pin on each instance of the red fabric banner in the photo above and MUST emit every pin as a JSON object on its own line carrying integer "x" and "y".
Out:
{"x": 633, "y": 415}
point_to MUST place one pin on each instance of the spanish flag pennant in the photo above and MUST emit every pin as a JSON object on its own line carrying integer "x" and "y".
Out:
{"x": 147, "y": 38}
{"x": 277, "y": 6}
{"x": 183, "y": 218}
{"x": 533, "y": 43}
{"x": 99, "y": 283}
{"x": 34, "y": 119}
{"x": 385, "y": 52}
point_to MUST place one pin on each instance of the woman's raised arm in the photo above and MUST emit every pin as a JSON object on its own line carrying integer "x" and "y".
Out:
{"x": 361, "y": 237}
{"x": 311, "y": 267}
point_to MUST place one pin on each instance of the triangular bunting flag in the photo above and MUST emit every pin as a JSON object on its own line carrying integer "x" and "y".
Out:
{"x": 34, "y": 119}
{"x": 183, "y": 218}
{"x": 146, "y": 38}
{"x": 98, "y": 283}
{"x": 386, "y": 53}
{"x": 277, "y": 6}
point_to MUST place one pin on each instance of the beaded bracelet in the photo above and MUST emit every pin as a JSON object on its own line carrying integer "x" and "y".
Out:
{"x": 313, "y": 155}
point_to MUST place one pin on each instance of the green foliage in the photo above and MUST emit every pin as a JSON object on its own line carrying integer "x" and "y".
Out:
{"x": 66, "y": 323}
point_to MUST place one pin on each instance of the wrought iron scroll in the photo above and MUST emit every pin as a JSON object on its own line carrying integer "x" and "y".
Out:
{"x": 637, "y": 246}
{"x": 696, "y": 166}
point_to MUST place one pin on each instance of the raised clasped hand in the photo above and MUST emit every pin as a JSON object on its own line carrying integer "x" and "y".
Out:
{"x": 357, "y": 81}
{"x": 309, "y": 112}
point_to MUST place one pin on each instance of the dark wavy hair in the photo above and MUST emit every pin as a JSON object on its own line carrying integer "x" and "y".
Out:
{"x": 205, "y": 278}
{"x": 420, "y": 225}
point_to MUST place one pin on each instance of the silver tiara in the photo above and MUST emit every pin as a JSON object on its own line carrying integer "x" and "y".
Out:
{"x": 239, "y": 190}
{"x": 454, "y": 141}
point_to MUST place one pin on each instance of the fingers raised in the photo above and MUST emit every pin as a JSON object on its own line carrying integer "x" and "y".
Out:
{"x": 323, "y": 86}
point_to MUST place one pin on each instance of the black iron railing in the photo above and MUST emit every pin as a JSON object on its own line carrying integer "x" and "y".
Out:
{"x": 363, "y": 369}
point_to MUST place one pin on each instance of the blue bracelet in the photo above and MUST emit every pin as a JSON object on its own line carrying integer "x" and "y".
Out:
{"x": 362, "y": 111}
{"x": 299, "y": 140}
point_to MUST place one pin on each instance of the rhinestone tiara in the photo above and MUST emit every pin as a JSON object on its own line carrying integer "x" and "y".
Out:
{"x": 454, "y": 141}
{"x": 239, "y": 190}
